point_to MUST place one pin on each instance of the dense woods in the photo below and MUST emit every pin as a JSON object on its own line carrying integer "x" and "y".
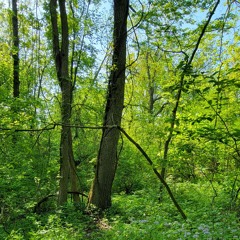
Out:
{"x": 119, "y": 119}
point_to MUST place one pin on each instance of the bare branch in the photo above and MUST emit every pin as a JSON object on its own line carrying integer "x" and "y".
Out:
{"x": 155, "y": 171}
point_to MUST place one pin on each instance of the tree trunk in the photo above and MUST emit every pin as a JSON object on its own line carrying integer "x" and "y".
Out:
{"x": 67, "y": 166}
{"x": 150, "y": 80}
{"x": 100, "y": 194}
{"x": 15, "y": 52}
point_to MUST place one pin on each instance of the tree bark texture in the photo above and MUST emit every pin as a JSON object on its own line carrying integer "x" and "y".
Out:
{"x": 61, "y": 56}
{"x": 15, "y": 52}
{"x": 100, "y": 194}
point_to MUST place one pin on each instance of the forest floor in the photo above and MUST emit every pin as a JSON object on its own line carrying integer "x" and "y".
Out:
{"x": 210, "y": 209}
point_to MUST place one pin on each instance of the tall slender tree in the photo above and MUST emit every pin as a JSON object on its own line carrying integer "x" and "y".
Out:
{"x": 100, "y": 194}
{"x": 15, "y": 54}
{"x": 185, "y": 71}
{"x": 61, "y": 56}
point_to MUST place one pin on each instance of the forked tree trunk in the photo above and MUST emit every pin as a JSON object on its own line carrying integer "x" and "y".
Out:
{"x": 100, "y": 194}
{"x": 61, "y": 52}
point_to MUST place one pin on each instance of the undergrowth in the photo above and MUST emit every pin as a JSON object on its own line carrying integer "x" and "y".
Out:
{"x": 209, "y": 209}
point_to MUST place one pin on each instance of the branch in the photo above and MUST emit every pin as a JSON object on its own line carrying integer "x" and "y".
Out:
{"x": 36, "y": 208}
{"x": 161, "y": 109}
{"x": 202, "y": 33}
{"x": 156, "y": 172}
{"x": 182, "y": 79}
{"x": 224, "y": 124}
{"x": 29, "y": 129}
{"x": 79, "y": 193}
{"x": 53, "y": 126}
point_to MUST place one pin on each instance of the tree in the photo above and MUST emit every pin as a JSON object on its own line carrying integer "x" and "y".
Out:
{"x": 100, "y": 194}
{"x": 61, "y": 55}
{"x": 186, "y": 70}
{"x": 15, "y": 55}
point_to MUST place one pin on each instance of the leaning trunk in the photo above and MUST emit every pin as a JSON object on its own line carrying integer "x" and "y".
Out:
{"x": 100, "y": 194}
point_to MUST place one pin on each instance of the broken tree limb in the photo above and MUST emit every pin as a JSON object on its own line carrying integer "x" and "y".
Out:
{"x": 155, "y": 171}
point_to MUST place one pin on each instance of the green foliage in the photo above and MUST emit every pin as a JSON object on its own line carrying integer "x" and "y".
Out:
{"x": 62, "y": 224}
{"x": 203, "y": 160}
{"x": 130, "y": 163}
{"x": 141, "y": 216}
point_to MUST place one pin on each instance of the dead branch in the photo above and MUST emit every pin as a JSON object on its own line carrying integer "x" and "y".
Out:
{"x": 156, "y": 172}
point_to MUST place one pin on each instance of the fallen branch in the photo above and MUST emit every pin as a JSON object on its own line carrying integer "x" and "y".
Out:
{"x": 37, "y": 206}
{"x": 156, "y": 172}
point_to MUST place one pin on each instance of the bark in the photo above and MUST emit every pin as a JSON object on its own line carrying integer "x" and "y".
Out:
{"x": 150, "y": 86}
{"x": 15, "y": 54}
{"x": 61, "y": 56}
{"x": 100, "y": 194}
